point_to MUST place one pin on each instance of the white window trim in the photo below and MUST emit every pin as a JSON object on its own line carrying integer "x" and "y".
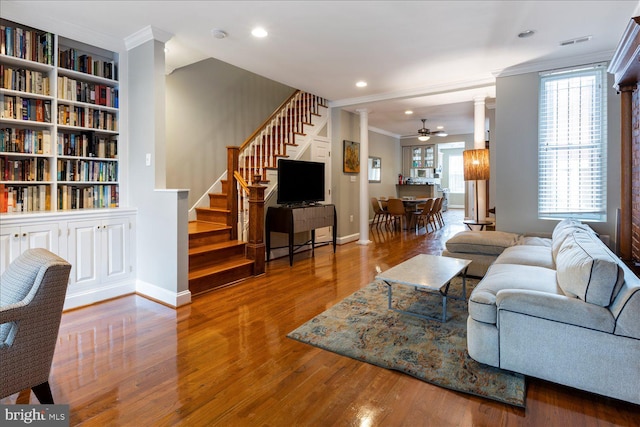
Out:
{"x": 580, "y": 149}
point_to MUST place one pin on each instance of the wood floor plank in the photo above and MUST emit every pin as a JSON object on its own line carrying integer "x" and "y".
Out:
{"x": 225, "y": 360}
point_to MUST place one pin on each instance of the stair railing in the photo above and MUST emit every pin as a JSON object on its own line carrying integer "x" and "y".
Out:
{"x": 247, "y": 166}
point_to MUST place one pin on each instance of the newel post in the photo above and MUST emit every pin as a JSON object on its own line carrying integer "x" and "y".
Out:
{"x": 233, "y": 154}
{"x": 255, "y": 242}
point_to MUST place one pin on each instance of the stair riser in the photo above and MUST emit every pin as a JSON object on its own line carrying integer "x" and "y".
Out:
{"x": 211, "y": 216}
{"x": 216, "y": 256}
{"x": 209, "y": 238}
{"x": 219, "y": 280}
{"x": 218, "y": 201}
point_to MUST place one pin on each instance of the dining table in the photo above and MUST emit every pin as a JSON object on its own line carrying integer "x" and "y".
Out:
{"x": 410, "y": 206}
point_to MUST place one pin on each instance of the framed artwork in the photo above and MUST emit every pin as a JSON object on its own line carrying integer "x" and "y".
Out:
{"x": 351, "y": 157}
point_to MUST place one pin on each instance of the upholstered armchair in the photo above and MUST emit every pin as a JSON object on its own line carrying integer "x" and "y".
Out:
{"x": 32, "y": 293}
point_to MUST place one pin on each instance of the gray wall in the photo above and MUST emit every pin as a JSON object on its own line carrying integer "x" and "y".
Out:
{"x": 212, "y": 105}
{"x": 346, "y": 193}
{"x": 515, "y": 174}
{"x": 388, "y": 149}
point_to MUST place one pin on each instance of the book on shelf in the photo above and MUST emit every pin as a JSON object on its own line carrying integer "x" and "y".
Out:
{"x": 26, "y": 44}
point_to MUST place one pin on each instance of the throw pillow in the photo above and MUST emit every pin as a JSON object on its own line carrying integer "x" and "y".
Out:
{"x": 587, "y": 270}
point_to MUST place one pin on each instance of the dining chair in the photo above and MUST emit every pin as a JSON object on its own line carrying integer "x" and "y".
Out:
{"x": 379, "y": 214}
{"x": 437, "y": 212}
{"x": 396, "y": 212}
{"x": 423, "y": 216}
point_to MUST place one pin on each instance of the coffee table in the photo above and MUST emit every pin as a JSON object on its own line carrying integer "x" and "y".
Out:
{"x": 428, "y": 273}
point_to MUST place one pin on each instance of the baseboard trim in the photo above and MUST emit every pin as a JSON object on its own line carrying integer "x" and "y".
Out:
{"x": 161, "y": 295}
{"x": 92, "y": 296}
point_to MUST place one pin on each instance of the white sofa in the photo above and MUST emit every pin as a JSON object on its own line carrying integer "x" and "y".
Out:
{"x": 564, "y": 309}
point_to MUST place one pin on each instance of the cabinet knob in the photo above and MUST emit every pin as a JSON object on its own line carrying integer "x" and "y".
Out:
{"x": 24, "y": 234}
{"x": 17, "y": 235}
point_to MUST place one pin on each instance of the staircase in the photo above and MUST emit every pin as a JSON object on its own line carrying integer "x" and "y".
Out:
{"x": 216, "y": 258}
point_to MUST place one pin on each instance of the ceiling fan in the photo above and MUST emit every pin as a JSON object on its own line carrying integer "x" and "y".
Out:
{"x": 424, "y": 134}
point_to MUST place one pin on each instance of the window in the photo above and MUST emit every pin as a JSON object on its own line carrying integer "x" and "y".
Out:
{"x": 572, "y": 144}
{"x": 456, "y": 174}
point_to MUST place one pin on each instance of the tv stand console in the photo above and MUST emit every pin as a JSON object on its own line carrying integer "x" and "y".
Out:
{"x": 296, "y": 219}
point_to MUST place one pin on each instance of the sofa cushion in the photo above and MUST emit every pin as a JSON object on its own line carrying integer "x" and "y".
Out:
{"x": 564, "y": 229}
{"x": 527, "y": 255}
{"x": 482, "y": 302}
{"x": 481, "y": 242}
{"x": 535, "y": 241}
{"x": 587, "y": 270}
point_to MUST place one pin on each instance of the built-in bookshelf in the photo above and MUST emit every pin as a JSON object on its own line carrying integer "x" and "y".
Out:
{"x": 59, "y": 104}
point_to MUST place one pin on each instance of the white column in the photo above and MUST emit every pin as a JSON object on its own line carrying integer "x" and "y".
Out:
{"x": 479, "y": 143}
{"x": 364, "y": 177}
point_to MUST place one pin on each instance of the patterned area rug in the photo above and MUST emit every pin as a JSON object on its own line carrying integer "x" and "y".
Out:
{"x": 362, "y": 327}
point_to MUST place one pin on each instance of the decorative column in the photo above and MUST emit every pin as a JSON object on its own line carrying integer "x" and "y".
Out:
{"x": 255, "y": 242}
{"x": 364, "y": 177}
{"x": 479, "y": 133}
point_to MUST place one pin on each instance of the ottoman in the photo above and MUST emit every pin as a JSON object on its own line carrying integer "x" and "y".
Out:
{"x": 481, "y": 247}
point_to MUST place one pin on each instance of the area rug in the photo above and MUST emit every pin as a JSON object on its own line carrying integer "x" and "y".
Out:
{"x": 362, "y": 327}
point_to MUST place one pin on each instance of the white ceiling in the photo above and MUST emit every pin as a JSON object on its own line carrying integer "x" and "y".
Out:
{"x": 433, "y": 57}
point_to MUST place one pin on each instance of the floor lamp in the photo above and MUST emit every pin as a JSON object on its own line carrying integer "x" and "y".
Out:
{"x": 476, "y": 168}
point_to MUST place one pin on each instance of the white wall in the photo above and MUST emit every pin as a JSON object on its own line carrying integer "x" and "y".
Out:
{"x": 161, "y": 235}
{"x": 515, "y": 145}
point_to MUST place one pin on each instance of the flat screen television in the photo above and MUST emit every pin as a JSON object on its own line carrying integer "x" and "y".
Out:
{"x": 300, "y": 182}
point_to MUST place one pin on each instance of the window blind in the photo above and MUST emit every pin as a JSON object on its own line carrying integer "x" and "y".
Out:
{"x": 572, "y": 144}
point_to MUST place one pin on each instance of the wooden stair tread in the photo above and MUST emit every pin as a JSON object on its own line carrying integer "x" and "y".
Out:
{"x": 213, "y": 210}
{"x": 205, "y": 227}
{"x": 228, "y": 264}
{"x": 215, "y": 246}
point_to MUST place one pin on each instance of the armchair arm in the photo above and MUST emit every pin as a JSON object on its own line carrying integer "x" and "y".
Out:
{"x": 555, "y": 307}
{"x": 13, "y": 312}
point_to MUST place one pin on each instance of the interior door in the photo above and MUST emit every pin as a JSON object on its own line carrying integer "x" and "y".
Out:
{"x": 321, "y": 152}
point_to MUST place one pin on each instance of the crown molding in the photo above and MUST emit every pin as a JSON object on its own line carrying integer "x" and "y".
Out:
{"x": 146, "y": 34}
{"x": 383, "y": 132}
{"x": 537, "y": 66}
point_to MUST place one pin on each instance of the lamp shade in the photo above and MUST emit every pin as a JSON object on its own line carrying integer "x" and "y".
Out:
{"x": 476, "y": 164}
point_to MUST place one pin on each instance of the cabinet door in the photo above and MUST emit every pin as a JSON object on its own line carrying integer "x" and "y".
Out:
{"x": 9, "y": 246}
{"x": 115, "y": 249}
{"x": 17, "y": 239}
{"x": 84, "y": 244}
{"x": 39, "y": 236}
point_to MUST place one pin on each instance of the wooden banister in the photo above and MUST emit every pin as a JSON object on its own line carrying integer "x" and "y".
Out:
{"x": 268, "y": 121}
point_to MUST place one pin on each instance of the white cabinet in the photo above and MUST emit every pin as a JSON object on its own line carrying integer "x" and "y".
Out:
{"x": 99, "y": 251}
{"x": 15, "y": 239}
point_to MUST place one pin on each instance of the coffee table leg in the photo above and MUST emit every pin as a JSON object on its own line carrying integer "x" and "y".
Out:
{"x": 444, "y": 308}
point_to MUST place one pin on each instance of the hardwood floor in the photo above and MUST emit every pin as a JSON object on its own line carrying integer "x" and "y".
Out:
{"x": 225, "y": 360}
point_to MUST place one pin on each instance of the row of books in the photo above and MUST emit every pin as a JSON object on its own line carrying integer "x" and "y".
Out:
{"x": 31, "y": 198}
{"x": 87, "y": 117}
{"x": 28, "y": 141}
{"x": 24, "y": 80}
{"x": 33, "y": 169}
{"x": 87, "y": 145}
{"x": 91, "y": 197}
{"x": 91, "y": 93}
{"x": 87, "y": 170}
{"x": 26, "y": 44}
{"x": 72, "y": 59}
{"x": 17, "y": 107}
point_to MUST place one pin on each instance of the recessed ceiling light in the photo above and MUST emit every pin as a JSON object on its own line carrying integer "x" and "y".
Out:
{"x": 525, "y": 34}
{"x": 440, "y": 127}
{"x": 408, "y": 112}
{"x": 259, "y": 32}
{"x": 166, "y": 50}
{"x": 219, "y": 34}
{"x": 361, "y": 84}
